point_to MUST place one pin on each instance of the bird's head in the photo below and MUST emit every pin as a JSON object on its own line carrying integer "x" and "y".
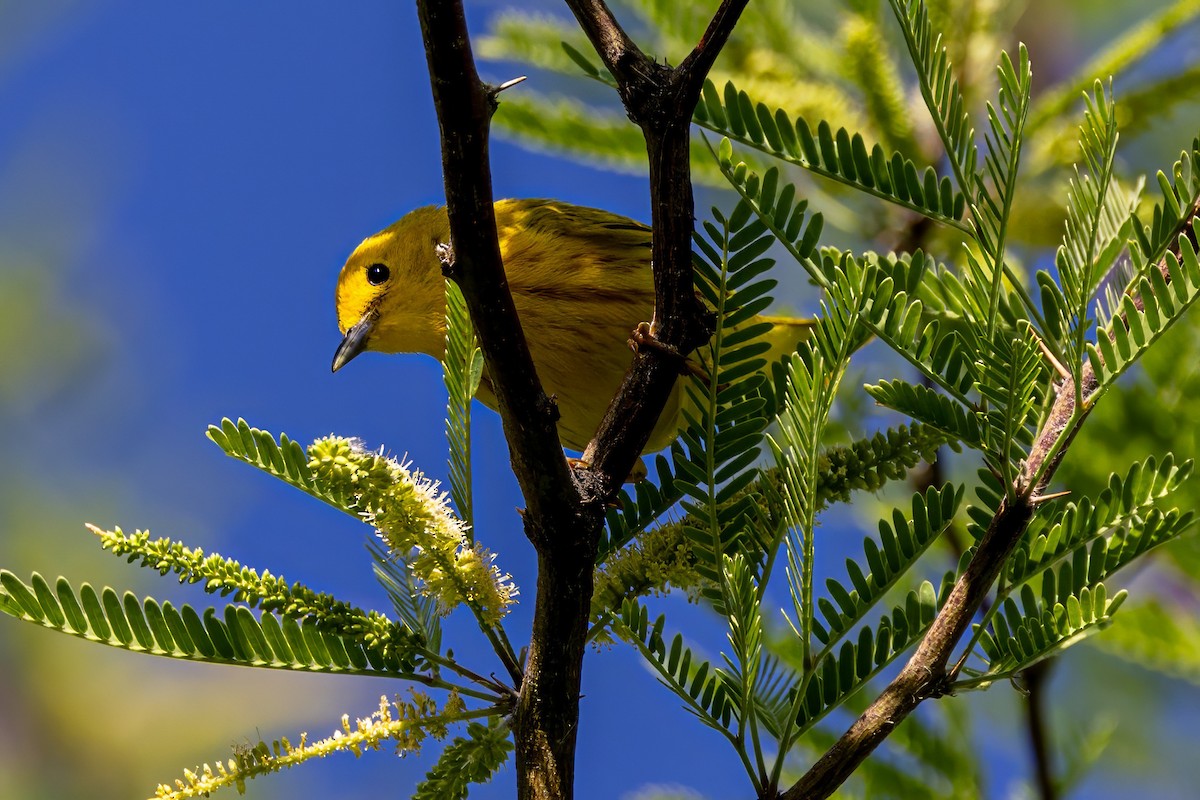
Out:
{"x": 391, "y": 294}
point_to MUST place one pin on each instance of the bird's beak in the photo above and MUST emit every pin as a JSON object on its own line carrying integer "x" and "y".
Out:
{"x": 354, "y": 343}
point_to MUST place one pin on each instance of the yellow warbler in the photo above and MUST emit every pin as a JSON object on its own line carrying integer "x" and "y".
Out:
{"x": 580, "y": 279}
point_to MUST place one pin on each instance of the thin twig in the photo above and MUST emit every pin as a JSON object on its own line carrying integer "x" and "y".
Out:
{"x": 1036, "y": 726}
{"x": 660, "y": 100}
{"x": 618, "y": 52}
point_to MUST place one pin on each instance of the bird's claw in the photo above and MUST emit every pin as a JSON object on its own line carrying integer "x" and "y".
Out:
{"x": 636, "y": 475}
{"x": 643, "y": 336}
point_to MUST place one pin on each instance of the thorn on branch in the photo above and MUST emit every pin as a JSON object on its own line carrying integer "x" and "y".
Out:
{"x": 493, "y": 92}
{"x": 508, "y": 84}
{"x": 1046, "y": 498}
{"x": 1050, "y": 357}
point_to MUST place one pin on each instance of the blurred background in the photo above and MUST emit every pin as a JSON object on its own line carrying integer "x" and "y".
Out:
{"x": 179, "y": 186}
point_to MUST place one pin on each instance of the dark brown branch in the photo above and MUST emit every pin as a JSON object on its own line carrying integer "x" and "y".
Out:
{"x": 699, "y": 62}
{"x": 660, "y": 100}
{"x": 1035, "y": 718}
{"x": 464, "y": 108}
{"x": 562, "y": 528}
{"x": 621, "y": 56}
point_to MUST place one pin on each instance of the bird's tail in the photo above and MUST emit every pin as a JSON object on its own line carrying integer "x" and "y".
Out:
{"x": 786, "y": 335}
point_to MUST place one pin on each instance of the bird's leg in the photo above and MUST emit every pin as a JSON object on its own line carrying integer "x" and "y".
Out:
{"x": 636, "y": 475}
{"x": 642, "y": 336}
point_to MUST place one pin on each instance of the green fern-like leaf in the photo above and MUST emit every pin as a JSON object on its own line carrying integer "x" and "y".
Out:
{"x": 695, "y": 682}
{"x": 462, "y": 369}
{"x": 284, "y": 459}
{"x": 873, "y": 68}
{"x": 812, "y": 379}
{"x": 743, "y": 610}
{"x": 933, "y": 409}
{"x": 839, "y": 676}
{"x": 231, "y": 636}
{"x": 894, "y": 310}
{"x": 1071, "y": 559}
{"x": 727, "y": 409}
{"x": 1009, "y": 377}
{"x": 418, "y": 612}
{"x": 1171, "y": 215}
{"x": 939, "y": 89}
{"x": 1108, "y": 531}
{"x": 1022, "y": 635}
{"x": 901, "y": 544}
{"x": 634, "y": 513}
{"x": 1098, "y": 221}
{"x": 475, "y": 758}
{"x": 1156, "y": 302}
{"x": 663, "y": 556}
{"x": 996, "y": 185}
{"x": 776, "y": 207}
{"x": 835, "y": 155}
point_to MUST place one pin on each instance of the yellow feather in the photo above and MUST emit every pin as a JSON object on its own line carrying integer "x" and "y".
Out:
{"x": 581, "y": 281}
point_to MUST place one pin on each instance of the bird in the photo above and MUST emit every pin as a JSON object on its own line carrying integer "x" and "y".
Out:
{"x": 581, "y": 282}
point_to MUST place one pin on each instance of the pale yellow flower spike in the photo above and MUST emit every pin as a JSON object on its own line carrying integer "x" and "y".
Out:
{"x": 411, "y": 514}
{"x": 407, "y": 727}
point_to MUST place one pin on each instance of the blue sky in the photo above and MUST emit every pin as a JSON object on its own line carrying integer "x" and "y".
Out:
{"x": 188, "y": 180}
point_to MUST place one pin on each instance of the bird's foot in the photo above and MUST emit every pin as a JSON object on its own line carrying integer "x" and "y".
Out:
{"x": 636, "y": 475}
{"x": 643, "y": 336}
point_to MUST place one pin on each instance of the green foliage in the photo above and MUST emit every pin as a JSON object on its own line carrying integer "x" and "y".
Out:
{"x": 405, "y": 723}
{"x": 939, "y": 89}
{"x": 405, "y": 508}
{"x": 1023, "y": 635}
{"x": 777, "y": 209}
{"x": 466, "y": 760}
{"x": 997, "y": 185}
{"x": 836, "y": 155}
{"x": 985, "y": 351}
{"x": 1173, "y": 215}
{"x": 662, "y": 557}
{"x": 1098, "y": 223}
{"x": 1157, "y": 300}
{"x": 1057, "y": 571}
{"x": 1107, "y": 532}
{"x": 267, "y": 591}
{"x": 1009, "y": 376}
{"x": 419, "y": 613}
{"x": 634, "y": 513}
{"x": 700, "y": 686}
{"x": 840, "y": 675}
{"x": 901, "y": 543}
{"x": 731, "y": 402}
{"x": 932, "y": 409}
{"x": 462, "y": 369}
{"x": 231, "y": 636}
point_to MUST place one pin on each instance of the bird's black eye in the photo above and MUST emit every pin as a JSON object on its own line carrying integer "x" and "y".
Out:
{"x": 377, "y": 274}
